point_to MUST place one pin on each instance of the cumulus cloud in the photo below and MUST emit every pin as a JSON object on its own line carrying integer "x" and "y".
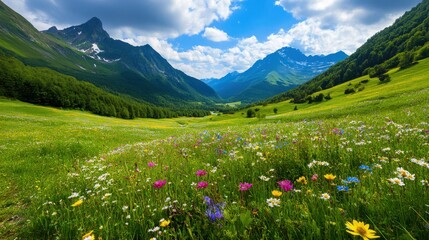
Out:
{"x": 215, "y": 35}
{"x": 165, "y": 19}
{"x": 365, "y": 12}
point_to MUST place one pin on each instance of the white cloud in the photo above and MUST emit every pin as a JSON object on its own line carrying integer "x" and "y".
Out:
{"x": 215, "y": 35}
{"x": 165, "y": 19}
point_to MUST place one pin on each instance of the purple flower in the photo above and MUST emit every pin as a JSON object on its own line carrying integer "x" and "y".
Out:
{"x": 214, "y": 210}
{"x": 200, "y": 173}
{"x": 245, "y": 186}
{"x": 286, "y": 185}
{"x": 159, "y": 183}
{"x": 202, "y": 185}
{"x": 151, "y": 164}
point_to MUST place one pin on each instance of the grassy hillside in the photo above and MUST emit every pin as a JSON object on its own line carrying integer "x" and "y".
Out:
{"x": 51, "y": 158}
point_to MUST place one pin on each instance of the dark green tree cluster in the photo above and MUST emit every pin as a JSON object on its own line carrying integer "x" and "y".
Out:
{"x": 46, "y": 87}
{"x": 408, "y": 35}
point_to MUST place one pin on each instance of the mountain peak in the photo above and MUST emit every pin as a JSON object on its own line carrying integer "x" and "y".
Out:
{"x": 88, "y": 33}
{"x": 94, "y": 23}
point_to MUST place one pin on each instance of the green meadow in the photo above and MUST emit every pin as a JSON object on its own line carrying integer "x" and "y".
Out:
{"x": 296, "y": 174}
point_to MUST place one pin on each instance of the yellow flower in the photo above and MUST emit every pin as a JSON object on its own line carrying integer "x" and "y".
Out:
{"x": 360, "y": 229}
{"x": 276, "y": 193}
{"x": 330, "y": 177}
{"x": 302, "y": 180}
{"x": 164, "y": 223}
{"x": 88, "y": 236}
{"x": 77, "y": 203}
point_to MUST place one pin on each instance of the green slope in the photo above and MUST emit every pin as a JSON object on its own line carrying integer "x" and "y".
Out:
{"x": 408, "y": 34}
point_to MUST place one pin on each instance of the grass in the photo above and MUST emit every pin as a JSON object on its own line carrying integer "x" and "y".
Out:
{"x": 51, "y": 158}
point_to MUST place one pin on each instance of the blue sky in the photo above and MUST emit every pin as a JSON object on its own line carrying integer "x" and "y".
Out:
{"x": 210, "y": 38}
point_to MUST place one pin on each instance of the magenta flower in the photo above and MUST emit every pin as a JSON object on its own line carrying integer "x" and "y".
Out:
{"x": 151, "y": 164}
{"x": 200, "y": 173}
{"x": 314, "y": 177}
{"x": 159, "y": 183}
{"x": 286, "y": 185}
{"x": 202, "y": 185}
{"x": 245, "y": 186}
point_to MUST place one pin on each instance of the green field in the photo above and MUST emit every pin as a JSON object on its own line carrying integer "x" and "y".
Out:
{"x": 51, "y": 158}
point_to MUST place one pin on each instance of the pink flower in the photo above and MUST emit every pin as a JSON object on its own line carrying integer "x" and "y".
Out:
{"x": 202, "y": 185}
{"x": 314, "y": 177}
{"x": 200, "y": 173}
{"x": 245, "y": 186}
{"x": 151, "y": 164}
{"x": 159, "y": 183}
{"x": 286, "y": 185}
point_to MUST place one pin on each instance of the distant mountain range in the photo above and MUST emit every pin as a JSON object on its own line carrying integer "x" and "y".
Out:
{"x": 88, "y": 53}
{"x": 276, "y": 73}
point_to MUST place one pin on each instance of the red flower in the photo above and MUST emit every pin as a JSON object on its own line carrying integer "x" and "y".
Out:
{"x": 159, "y": 183}
{"x": 245, "y": 186}
{"x": 202, "y": 185}
{"x": 286, "y": 185}
{"x": 200, "y": 173}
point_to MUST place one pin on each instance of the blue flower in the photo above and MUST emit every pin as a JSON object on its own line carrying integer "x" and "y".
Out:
{"x": 214, "y": 210}
{"x": 342, "y": 188}
{"x": 366, "y": 168}
{"x": 353, "y": 179}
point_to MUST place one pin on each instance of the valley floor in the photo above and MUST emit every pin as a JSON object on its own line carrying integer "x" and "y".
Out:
{"x": 356, "y": 157}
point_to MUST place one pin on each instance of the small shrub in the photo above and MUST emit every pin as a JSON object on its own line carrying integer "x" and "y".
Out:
{"x": 384, "y": 78}
{"x": 364, "y": 81}
{"x": 349, "y": 91}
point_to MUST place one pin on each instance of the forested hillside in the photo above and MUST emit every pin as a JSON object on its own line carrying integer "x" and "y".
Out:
{"x": 46, "y": 87}
{"x": 397, "y": 45}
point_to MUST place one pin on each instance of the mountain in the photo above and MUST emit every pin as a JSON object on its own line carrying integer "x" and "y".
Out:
{"x": 405, "y": 40}
{"x": 276, "y": 73}
{"x": 88, "y": 53}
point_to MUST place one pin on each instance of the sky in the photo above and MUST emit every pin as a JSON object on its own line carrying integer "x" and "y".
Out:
{"x": 210, "y": 38}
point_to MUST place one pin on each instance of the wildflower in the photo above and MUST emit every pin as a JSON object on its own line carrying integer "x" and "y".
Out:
{"x": 159, "y": 183}
{"x": 396, "y": 181}
{"x": 302, "y": 180}
{"x": 317, "y": 163}
{"x": 273, "y": 202}
{"x": 264, "y": 178}
{"x": 155, "y": 229}
{"x": 276, "y": 193}
{"x": 342, "y": 188}
{"x": 329, "y": 177}
{"x": 164, "y": 223}
{"x": 314, "y": 177}
{"x": 365, "y": 168}
{"x": 325, "y": 196}
{"x": 245, "y": 186}
{"x": 73, "y": 195}
{"x": 88, "y": 236}
{"x": 77, "y": 203}
{"x": 151, "y": 164}
{"x": 285, "y": 185}
{"x": 124, "y": 208}
{"x": 360, "y": 229}
{"x": 202, "y": 185}
{"x": 402, "y": 173}
{"x": 200, "y": 173}
{"x": 425, "y": 183}
{"x": 214, "y": 210}
{"x": 353, "y": 180}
